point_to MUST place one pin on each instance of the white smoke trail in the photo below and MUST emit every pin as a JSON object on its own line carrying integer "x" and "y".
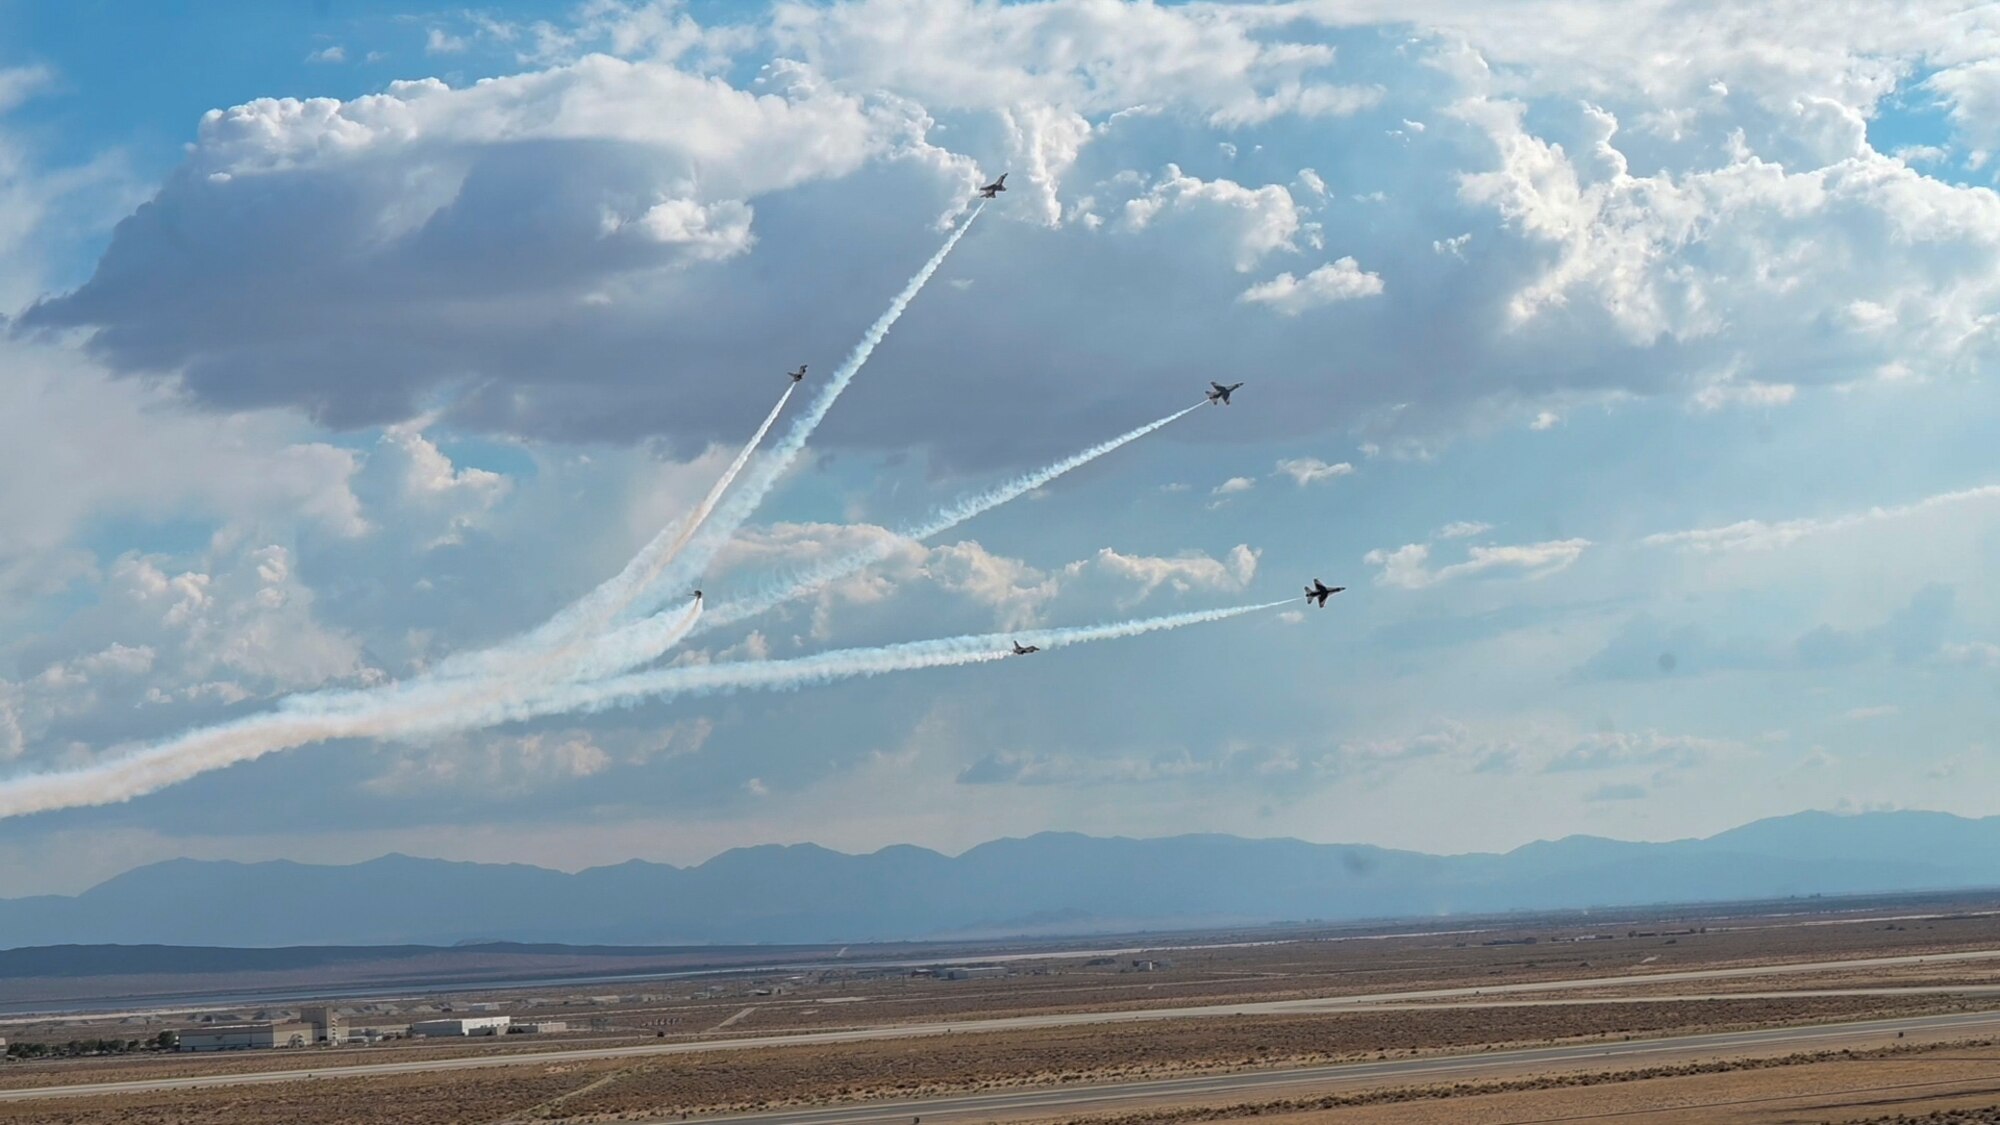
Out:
{"x": 843, "y": 664}
{"x": 832, "y": 570}
{"x": 460, "y": 690}
{"x": 594, "y": 610}
{"x": 642, "y": 641}
{"x": 643, "y": 569}
{"x": 212, "y": 748}
{"x": 643, "y": 576}
{"x": 425, "y": 695}
{"x": 764, "y": 476}
{"x": 489, "y": 685}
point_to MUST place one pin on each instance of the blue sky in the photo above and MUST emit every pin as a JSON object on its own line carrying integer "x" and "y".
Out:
{"x": 1635, "y": 383}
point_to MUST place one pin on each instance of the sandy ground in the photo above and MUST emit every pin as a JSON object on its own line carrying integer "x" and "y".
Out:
{"x": 1638, "y": 1004}
{"x": 1846, "y": 1090}
{"x": 758, "y": 1081}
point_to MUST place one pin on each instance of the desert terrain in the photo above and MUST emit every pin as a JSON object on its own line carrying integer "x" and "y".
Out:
{"x": 1855, "y": 1012}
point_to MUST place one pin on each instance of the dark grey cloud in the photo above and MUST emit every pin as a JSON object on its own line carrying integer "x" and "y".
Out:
{"x": 556, "y": 273}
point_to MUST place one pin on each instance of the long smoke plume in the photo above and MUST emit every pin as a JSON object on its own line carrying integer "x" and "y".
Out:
{"x": 844, "y": 664}
{"x": 559, "y": 639}
{"x": 570, "y": 664}
{"x": 557, "y": 649}
{"x": 832, "y": 570}
{"x": 642, "y": 641}
{"x": 462, "y": 693}
{"x": 197, "y": 752}
{"x": 764, "y": 475}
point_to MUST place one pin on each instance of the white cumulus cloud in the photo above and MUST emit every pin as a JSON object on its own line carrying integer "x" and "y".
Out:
{"x": 1312, "y": 470}
{"x": 1409, "y": 566}
{"x": 1342, "y": 280}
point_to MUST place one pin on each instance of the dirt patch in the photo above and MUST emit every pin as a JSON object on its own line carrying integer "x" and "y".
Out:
{"x": 1827, "y": 1086}
{"x": 992, "y": 1061}
{"x": 1303, "y": 966}
{"x": 930, "y": 1065}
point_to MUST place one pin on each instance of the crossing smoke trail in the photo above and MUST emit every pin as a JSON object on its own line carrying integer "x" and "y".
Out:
{"x": 406, "y": 704}
{"x": 968, "y": 507}
{"x": 765, "y": 475}
{"x": 641, "y": 641}
{"x": 650, "y": 562}
{"x": 472, "y": 691}
{"x": 440, "y": 707}
{"x": 212, "y": 748}
{"x": 643, "y": 576}
{"x": 596, "y": 609}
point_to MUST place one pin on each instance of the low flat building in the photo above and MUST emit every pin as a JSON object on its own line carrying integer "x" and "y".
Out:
{"x": 540, "y": 1027}
{"x": 974, "y": 972}
{"x": 375, "y": 1033}
{"x": 245, "y": 1036}
{"x": 463, "y": 1025}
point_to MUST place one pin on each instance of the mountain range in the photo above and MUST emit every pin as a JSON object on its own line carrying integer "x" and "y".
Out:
{"x": 1053, "y": 883}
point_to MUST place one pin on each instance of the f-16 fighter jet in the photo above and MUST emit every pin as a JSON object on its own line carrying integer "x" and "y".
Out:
{"x": 1221, "y": 393}
{"x": 1320, "y": 591}
{"x": 799, "y": 375}
{"x": 1023, "y": 650}
{"x": 994, "y": 188}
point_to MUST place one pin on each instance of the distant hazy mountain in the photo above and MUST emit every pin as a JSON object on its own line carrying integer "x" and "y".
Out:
{"x": 1055, "y": 882}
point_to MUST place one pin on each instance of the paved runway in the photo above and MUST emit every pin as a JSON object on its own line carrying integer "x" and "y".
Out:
{"x": 1272, "y": 1084}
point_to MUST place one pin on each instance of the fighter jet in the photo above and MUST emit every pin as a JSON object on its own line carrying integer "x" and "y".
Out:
{"x": 1023, "y": 650}
{"x": 798, "y": 376}
{"x": 697, "y": 595}
{"x": 994, "y": 188}
{"x": 1321, "y": 591}
{"x": 1221, "y": 393}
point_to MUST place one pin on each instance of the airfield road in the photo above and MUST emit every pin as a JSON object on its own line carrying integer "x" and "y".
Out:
{"x": 1319, "y": 1079}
